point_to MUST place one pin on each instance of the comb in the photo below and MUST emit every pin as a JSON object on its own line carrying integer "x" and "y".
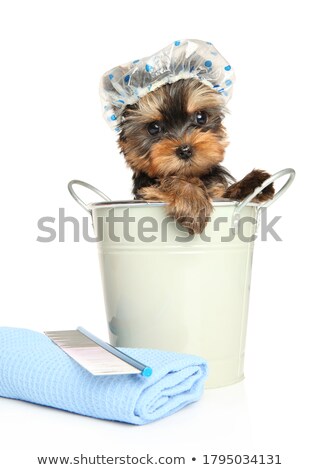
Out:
{"x": 95, "y": 355}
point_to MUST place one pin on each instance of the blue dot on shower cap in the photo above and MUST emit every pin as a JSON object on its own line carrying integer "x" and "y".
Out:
{"x": 208, "y": 63}
{"x": 111, "y": 76}
{"x": 227, "y": 68}
{"x": 121, "y": 101}
{"x": 228, "y": 82}
{"x": 126, "y": 78}
{"x": 149, "y": 68}
{"x": 177, "y": 43}
{"x": 113, "y": 117}
{"x": 136, "y": 61}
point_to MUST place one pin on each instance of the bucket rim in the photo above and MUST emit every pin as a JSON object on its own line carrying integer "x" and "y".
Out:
{"x": 221, "y": 202}
{"x": 239, "y": 205}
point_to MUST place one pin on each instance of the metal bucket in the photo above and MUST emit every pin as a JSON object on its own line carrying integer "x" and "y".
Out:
{"x": 165, "y": 289}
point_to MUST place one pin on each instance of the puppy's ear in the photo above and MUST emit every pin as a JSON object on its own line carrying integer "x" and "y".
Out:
{"x": 129, "y": 108}
{"x": 124, "y": 116}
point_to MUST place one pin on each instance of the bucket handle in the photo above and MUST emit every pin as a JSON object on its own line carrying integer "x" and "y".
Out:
{"x": 271, "y": 179}
{"x": 239, "y": 207}
{"x": 88, "y": 186}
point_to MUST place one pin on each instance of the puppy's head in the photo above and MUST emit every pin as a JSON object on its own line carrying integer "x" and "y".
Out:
{"x": 174, "y": 130}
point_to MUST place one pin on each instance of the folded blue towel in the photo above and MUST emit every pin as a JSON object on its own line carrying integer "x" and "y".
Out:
{"x": 33, "y": 369}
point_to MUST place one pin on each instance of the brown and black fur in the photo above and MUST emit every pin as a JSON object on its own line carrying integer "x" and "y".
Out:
{"x": 181, "y": 164}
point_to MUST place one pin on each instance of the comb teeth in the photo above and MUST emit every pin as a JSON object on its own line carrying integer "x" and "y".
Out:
{"x": 89, "y": 355}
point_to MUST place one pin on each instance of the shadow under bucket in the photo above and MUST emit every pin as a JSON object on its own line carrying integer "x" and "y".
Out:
{"x": 165, "y": 289}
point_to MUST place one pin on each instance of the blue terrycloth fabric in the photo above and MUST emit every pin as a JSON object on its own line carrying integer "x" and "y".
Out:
{"x": 34, "y": 369}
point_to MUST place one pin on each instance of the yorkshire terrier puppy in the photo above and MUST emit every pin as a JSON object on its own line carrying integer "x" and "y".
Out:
{"x": 174, "y": 141}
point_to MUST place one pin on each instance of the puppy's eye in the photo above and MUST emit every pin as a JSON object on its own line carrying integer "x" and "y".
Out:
{"x": 201, "y": 117}
{"x": 154, "y": 128}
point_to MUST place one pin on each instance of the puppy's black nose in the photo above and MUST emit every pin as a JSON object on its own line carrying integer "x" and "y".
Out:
{"x": 184, "y": 152}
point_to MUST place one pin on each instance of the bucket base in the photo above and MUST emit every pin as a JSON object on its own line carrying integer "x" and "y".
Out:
{"x": 211, "y": 384}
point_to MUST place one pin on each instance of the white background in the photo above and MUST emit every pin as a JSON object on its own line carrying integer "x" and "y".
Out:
{"x": 52, "y": 56}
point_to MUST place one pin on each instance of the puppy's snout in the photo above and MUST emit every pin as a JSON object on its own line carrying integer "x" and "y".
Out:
{"x": 184, "y": 152}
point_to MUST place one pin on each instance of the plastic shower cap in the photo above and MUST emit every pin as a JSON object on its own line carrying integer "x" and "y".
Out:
{"x": 189, "y": 58}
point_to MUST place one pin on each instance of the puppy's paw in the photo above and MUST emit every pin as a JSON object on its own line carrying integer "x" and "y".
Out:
{"x": 190, "y": 204}
{"x": 248, "y": 184}
{"x": 187, "y": 201}
{"x": 194, "y": 222}
{"x": 151, "y": 193}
